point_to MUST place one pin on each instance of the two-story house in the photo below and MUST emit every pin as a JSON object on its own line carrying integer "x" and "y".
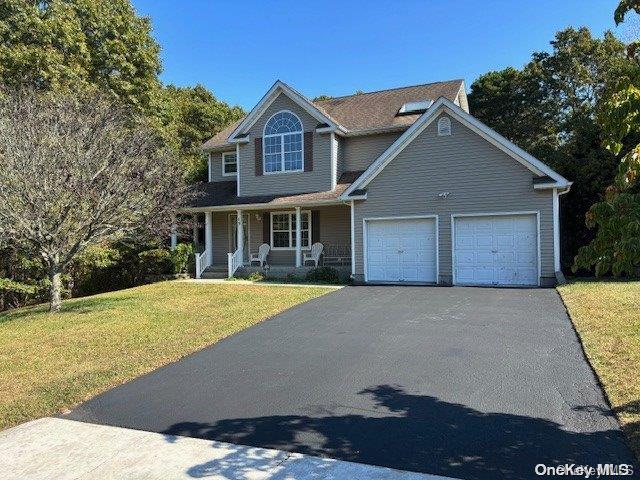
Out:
{"x": 399, "y": 185}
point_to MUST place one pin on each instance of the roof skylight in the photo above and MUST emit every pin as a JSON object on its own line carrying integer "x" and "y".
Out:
{"x": 412, "y": 108}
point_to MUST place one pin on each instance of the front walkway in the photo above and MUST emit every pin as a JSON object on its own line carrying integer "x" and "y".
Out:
{"x": 57, "y": 448}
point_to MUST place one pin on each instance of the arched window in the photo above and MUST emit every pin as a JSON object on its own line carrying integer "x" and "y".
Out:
{"x": 444, "y": 126}
{"x": 282, "y": 143}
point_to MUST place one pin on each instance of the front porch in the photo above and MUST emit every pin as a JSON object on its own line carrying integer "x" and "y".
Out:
{"x": 225, "y": 240}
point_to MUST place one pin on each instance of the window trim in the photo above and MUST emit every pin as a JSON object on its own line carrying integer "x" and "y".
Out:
{"x": 281, "y": 135}
{"x": 292, "y": 232}
{"x": 229, "y": 174}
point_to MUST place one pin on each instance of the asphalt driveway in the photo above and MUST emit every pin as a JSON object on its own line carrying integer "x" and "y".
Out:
{"x": 462, "y": 382}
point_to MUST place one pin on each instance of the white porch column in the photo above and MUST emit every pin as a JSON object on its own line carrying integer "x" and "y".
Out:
{"x": 298, "y": 237}
{"x": 174, "y": 233}
{"x": 240, "y": 234}
{"x": 208, "y": 237}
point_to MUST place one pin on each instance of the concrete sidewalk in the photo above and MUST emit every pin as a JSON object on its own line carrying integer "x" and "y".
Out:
{"x": 65, "y": 449}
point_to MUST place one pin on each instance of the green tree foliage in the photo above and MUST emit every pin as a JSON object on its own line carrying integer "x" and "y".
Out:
{"x": 79, "y": 44}
{"x": 616, "y": 246}
{"x": 187, "y": 117}
{"x": 550, "y": 109}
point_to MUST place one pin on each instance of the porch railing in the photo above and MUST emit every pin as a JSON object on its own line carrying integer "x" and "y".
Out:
{"x": 201, "y": 263}
{"x": 334, "y": 254}
{"x": 234, "y": 262}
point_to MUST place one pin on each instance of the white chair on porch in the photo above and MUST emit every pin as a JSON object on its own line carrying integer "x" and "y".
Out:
{"x": 261, "y": 256}
{"x": 314, "y": 255}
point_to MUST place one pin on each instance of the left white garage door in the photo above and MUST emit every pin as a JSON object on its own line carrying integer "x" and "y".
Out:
{"x": 401, "y": 250}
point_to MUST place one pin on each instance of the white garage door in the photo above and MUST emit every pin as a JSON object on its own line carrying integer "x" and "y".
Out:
{"x": 496, "y": 250}
{"x": 401, "y": 250}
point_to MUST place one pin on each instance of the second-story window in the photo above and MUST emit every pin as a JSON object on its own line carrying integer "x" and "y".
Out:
{"x": 282, "y": 145}
{"x": 229, "y": 164}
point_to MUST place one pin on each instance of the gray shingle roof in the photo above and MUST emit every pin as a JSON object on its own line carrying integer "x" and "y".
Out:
{"x": 219, "y": 194}
{"x": 367, "y": 111}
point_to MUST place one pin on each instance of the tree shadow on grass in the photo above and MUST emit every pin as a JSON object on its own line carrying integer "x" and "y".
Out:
{"x": 631, "y": 429}
{"x": 77, "y": 306}
{"x": 418, "y": 433}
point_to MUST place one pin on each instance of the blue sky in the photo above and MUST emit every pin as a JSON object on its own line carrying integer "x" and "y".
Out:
{"x": 238, "y": 49}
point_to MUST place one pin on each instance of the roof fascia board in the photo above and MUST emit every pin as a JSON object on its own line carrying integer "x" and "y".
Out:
{"x": 373, "y": 131}
{"x": 459, "y": 114}
{"x": 268, "y": 99}
{"x": 244, "y": 139}
{"x": 508, "y": 147}
{"x": 262, "y": 206}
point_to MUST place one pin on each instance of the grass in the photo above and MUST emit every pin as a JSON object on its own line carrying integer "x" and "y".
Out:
{"x": 51, "y": 362}
{"x": 607, "y": 318}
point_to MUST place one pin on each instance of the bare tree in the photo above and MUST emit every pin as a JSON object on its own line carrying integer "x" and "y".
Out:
{"x": 76, "y": 171}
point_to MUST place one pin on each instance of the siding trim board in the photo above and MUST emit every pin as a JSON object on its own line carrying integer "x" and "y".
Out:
{"x": 443, "y": 105}
{"x": 495, "y": 214}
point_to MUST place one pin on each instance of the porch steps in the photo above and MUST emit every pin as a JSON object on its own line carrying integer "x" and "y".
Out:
{"x": 215, "y": 272}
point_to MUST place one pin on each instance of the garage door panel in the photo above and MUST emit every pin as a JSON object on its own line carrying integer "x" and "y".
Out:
{"x": 483, "y": 240}
{"x": 507, "y": 258}
{"x": 496, "y": 250}
{"x": 465, "y": 241}
{"x": 401, "y": 250}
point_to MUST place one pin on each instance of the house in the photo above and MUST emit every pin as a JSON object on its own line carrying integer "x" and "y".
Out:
{"x": 400, "y": 186}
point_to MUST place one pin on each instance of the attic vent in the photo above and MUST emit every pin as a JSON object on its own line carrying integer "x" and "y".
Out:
{"x": 412, "y": 108}
{"x": 444, "y": 126}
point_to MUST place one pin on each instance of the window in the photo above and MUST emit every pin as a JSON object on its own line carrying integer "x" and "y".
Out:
{"x": 444, "y": 126}
{"x": 282, "y": 143}
{"x": 229, "y": 164}
{"x": 283, "y": 230}
{"x": 412, "y": 108}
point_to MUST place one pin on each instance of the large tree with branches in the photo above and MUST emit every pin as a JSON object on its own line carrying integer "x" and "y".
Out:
{"x": 79, "y": 171}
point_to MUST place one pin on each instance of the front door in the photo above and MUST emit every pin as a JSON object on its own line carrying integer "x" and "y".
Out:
{"x": 234, "y": 234}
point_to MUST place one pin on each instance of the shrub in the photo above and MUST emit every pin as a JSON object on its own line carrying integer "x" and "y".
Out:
{"x": 323, "y": 275}
{"x": 157, "y": 261}
{"x": 292, "y": 278}
{"x": 180, "y": 257}
{"x": 256, "y": 277}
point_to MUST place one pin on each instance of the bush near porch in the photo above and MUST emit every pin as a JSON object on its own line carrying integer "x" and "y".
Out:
{"x": 52, "y": 362}
{"x": 606, "y": 315}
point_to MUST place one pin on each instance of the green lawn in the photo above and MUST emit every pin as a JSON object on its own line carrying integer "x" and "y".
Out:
{"x": 52, "y": 362}
{"x": 607, "y": 318}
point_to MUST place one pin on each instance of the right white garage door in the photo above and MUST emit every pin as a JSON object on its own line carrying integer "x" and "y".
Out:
{"x": 496, "y": 250}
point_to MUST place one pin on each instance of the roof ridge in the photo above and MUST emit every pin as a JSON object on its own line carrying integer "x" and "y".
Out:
{"x": 389, "y": 89}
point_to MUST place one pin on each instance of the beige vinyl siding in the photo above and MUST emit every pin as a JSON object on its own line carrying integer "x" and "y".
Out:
{"x": 220, "y": 237}
{"x": 480, "y": 178}
{"x": 360, "y": 152}
{"x": 318, "y": 180}
{"x": 335, "y": 225}
{"x": 216, "y": 168}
